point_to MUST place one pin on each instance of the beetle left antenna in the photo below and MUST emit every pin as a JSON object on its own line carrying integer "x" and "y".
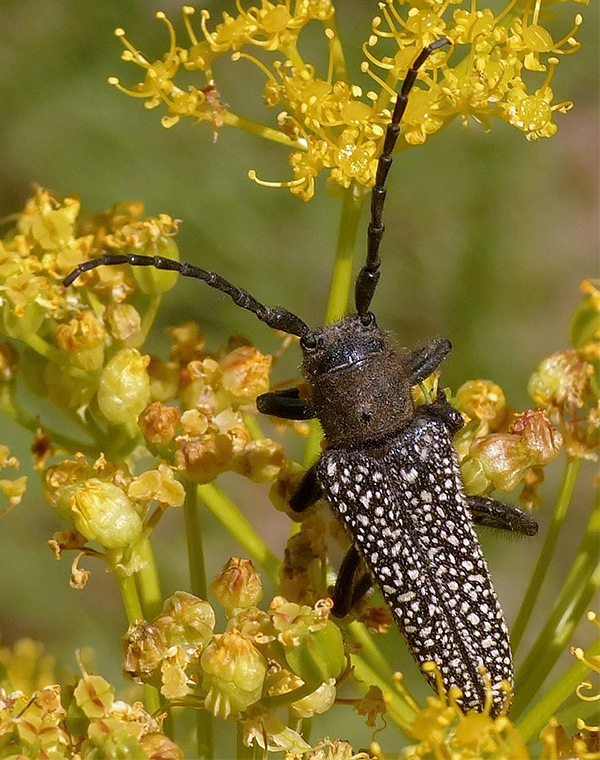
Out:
{"x": 368, "y": 277}
{"x": 277, "y": 317}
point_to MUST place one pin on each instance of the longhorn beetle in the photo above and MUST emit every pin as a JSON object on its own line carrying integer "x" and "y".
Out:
{"x": 389, "y": 471}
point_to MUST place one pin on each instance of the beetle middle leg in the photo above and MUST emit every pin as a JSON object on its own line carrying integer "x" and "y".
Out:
{"x": 496, "y": 514}
{"x": 347, "y": 589}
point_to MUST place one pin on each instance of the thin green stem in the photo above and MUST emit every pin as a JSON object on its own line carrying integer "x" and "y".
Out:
{"x": 150, "y": 315}
{"x": 50, "y": 352}
{"x": 133, "y": 611}
{"x": 370, "y": 652}
{"x": 559, "y": 515}
{"x": 339, "y": 287}
{"x": 195, "y": 542}
{"x": 195, "y": 546}
{"x": 534, "y": 720}
{"x": 261, "y": 130}
{"x": 148, "y": 582}
{"x": 581, "y": 584}
{"x": 341, "y": 277}
{"x": 227, "y": 512}
{"x": 11, "y": 408}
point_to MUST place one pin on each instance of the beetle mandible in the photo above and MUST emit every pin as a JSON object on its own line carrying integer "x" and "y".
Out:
{"x": 389, "y": 471}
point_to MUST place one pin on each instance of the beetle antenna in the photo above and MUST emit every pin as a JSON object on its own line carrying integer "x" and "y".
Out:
{"x": 277, "y": 317}
{"x": 368, "y": 277}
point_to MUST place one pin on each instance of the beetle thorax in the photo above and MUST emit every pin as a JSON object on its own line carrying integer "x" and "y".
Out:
{"x": 360, "y": 387}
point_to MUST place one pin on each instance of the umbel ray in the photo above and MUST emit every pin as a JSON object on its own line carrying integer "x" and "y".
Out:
{"x": 390, "y": 472}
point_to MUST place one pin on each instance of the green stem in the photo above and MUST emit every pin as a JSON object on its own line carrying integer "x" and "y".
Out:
{"x": 370, "y": 652}
{"x": 10, "y": 407}
{"x": 195, "y": 542}
{"x": 148, "y": 582}
{"x": 559, "y": 515}
{"x": 341, "y": 278}
{"x": 195, "y": 546}
{"x": 227, "y": 512}
{"x": 580, "y": 586}
{"x": 255, "y": 128}
{"x": 534, "y": 720}
{"x": 50, "y": 352}
{"x": 339, "y": 287}
{"x": 133, "y": 611}
{"x": 150, "y": 315}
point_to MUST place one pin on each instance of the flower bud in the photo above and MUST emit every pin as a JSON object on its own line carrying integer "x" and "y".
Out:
{"x": 245, "y": 373}
{"x": 237, "y": 586}
{"x": 561, "y": 379}
{"x": 144, "y": 647}
{"x": 260, "y": 461}
{"x": 316, "y": 703}
{"x": 482, "y": 400}
{"x": 541, "y": 439}
{"x": 84, "y": 331}
{"x": 124, "y": 388}
{"x": 312, "y": 644}
{"x": 318, "y": 657}
{"x": 154, "y": 281}
{"x": 186, "y": 621}
{"x": 584, "y": 328}
{"x": 202, "y": 460}
{"x": 103, "y": 512}
{"x": 233, "y": 674}
{"x": 124, "y": 324}
{"x": 158, "y": 423}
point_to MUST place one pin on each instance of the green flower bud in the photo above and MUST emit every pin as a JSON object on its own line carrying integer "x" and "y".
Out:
{"x": 153, "y": 281}
{"x": 233, "y": 674}
{"x": 124, "y": 388}
{"x": 186, "y": 621}
{"x": 103, "y": 512}
{"x": 319, "y": 657}
{"x": 113, "y": 738}
{"x": 562, "y": 380}
{"x": 238, "y": 585}
{"x": 316, "y": 703}
{"x": 94, "y": 696}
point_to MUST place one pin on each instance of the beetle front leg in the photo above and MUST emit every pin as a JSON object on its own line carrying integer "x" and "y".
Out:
{"x": 497, "y": 514}
{"x": 425, "y": 360}
{"x": 286, "y": 404}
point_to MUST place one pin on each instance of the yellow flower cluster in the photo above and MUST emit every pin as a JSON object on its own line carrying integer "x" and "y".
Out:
{"x": 288, "y": 655}
{"x": 328, "y": 121}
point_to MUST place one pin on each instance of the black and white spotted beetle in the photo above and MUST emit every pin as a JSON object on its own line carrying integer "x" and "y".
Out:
{"x": 389, "y": 471}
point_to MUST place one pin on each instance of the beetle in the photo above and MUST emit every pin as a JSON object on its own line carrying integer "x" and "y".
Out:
{"x": 390, "y": 472}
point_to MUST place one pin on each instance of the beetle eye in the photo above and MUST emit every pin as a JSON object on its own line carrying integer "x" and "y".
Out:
{"x": 367, "y": 318}
{"x": 309, "y": 342}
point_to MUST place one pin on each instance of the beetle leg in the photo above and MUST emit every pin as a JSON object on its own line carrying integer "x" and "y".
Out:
{"x": 423, "y": 361}
{"x": 443, "y": 410}
{"x": 497, "y": 514}
{"x": 346, "y": 592}
{"x": 286, "y": 404}
{"x": 309, "y": 491}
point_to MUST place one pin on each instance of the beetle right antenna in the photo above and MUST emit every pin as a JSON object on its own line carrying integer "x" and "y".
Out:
{"x": 275, "y": 317}
{"x": 368, "y": 277}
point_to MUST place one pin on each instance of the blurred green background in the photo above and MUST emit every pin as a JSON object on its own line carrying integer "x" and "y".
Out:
{"x": 488, "y": 237}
